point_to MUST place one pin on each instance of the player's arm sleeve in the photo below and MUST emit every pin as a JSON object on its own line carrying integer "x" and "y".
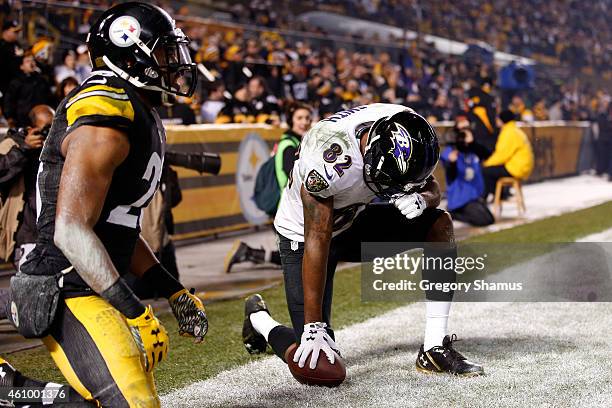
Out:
{"x": 322, "y": 180}
{"x": 100, "y": 106}
{"x": 315, "y": 182}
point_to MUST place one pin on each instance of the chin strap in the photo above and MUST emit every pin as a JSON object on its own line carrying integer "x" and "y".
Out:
{"x": 132, "y": 80}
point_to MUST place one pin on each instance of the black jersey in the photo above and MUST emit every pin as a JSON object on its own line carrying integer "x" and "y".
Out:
{"x": 103, "y": 100}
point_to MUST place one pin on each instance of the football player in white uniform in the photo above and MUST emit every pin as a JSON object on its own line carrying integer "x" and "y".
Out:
{"x": 325, "y": 213}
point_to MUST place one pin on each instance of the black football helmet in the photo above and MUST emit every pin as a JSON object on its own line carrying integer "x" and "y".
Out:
{"x": 140, "y": 43}
{"x": 401, "y": 153}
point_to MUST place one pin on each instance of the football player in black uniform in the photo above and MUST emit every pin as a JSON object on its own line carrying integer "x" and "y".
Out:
{"x": 100, "y": 165}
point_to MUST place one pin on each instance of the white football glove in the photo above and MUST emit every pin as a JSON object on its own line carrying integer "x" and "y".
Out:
{"x": 410, "y": 205}
{"x": 314, "y": 340}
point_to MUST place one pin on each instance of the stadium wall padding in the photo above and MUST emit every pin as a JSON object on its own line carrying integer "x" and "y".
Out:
{"x": 217, "y": 204}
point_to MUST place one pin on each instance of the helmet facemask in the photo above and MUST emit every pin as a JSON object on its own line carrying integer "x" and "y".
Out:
{"x": 165, "y": 65}
{"x": 177, "y": 73}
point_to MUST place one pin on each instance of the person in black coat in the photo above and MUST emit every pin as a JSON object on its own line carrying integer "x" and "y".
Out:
{"x": 604, "y": 141}
{"x": 24, "y": 92}
{"x": 10, "y": 51}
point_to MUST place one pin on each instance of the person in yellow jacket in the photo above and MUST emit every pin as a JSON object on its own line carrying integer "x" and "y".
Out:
{"x": 512, "y": 157}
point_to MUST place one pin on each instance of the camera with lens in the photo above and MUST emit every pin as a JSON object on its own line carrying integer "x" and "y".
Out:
{"x": 201, "y": 162}
{"x": 461, "y": 136}
{"x": 20, "y": 134}
{"x": 44, "y": 132}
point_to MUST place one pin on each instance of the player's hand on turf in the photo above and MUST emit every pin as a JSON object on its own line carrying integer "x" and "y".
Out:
{"x": 314, "y": 340}
{"x": 150, "y": 337}
{"x": 410, "y": 205}
{"x": 190, "y": 314}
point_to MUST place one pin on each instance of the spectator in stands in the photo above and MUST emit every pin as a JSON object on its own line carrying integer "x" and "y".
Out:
{"x": 604, "y": 141}
{"x": 520, "y": 110}
{"x": 43, "y": 55}
{"x": 539, "y": 110}
{"x": 237, "y": 108}
{"x": 250, "y": 104}
{"x": 214, "y": 103}
{"x": 441, "y": 109}
{"x": 464, "y": 180}
{"x": 299, "y": 119}
{"x": 10, "y": 53}
{"x": 19, "y": 152}
{"x": 83, "y": 65}
{"x": 264, "y": 104}
{"x": 482, "y": 112}
{"x": 513, "y": 156}
{"x": 68, "y": 67}
{"x": 296, "y": 81}
{"x": 64, "y": 88}
{"x": 24, "y": 92}
{"x": 177, "y": 112}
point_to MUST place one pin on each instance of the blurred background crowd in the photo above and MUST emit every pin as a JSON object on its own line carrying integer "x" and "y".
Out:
{"x": 472, "y": 66}
{"x": 255, "y": 56}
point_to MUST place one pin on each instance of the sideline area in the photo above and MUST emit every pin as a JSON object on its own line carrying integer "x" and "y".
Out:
{"x": 201, "y": 264}
{"x": 223, "y": 349}
{"x": 524, "y": 352}
{"x": 551, "y": 364}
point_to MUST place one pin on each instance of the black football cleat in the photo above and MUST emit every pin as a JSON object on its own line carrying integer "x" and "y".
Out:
{"x": 7, "y": 380}
{"x": 237, "y": 254}
{"x": 7, "y": 374}
{"x": 254, "y": 342}
{"x": 445, "y": 359}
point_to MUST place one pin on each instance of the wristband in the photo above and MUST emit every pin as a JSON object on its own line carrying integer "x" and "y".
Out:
{"x": 158, "y": 278}
{"x": 121, "y": 297}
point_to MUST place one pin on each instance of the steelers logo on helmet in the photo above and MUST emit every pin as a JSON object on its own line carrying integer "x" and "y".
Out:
{"x": 402, "y": 147}
{"x": 124, "y": 31}
{"x": 140, "y": 43}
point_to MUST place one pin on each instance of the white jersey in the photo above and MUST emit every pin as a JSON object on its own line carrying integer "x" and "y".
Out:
{"x": 330, "y": 164}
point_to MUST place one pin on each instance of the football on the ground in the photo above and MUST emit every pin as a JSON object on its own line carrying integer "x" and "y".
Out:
{"x": 325, "y": 374}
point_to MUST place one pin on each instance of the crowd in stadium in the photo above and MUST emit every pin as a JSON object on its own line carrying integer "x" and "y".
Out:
{"x": 251, "y": 75}
{"x": 575, "y": 35}
{"x": 330, "y": 78}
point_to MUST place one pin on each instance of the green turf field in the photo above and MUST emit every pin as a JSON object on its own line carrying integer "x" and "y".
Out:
{"x": 223, "y": 347}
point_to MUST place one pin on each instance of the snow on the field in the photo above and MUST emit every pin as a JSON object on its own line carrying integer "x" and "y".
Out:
{"x": 535, "y": 354}
{"x": 604, "y": 236}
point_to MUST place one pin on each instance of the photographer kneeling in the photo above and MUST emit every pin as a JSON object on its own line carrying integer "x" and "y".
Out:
{"x": 464, "y": 180}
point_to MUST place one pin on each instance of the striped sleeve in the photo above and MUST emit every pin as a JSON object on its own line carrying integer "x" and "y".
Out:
{"x": 102, "y": 106}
